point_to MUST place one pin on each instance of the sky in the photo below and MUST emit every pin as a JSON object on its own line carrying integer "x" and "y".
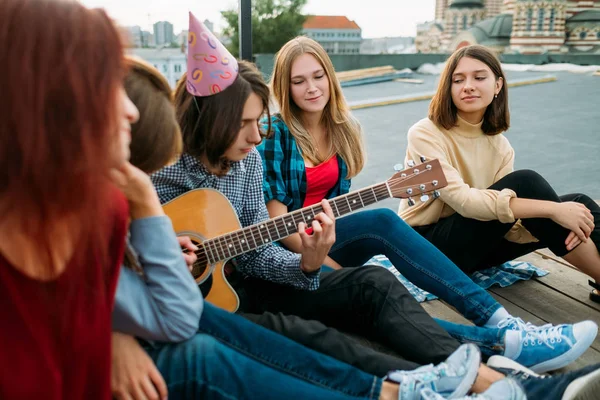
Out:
{"x": 377, "y": 18}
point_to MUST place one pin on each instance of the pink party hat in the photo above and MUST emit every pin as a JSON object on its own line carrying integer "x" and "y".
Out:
{"x": 210, "y": 67}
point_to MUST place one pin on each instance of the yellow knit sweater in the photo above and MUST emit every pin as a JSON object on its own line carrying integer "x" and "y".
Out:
{"x": 472, "y": 161}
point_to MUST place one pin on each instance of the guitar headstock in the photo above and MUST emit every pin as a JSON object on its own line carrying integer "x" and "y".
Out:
{"x": 418, "y": 181}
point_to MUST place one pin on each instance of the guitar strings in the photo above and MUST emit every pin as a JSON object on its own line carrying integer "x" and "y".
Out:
{"x": 203, "y": 261}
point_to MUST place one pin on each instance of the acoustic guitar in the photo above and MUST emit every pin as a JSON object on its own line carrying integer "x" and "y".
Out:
{"x": 208, "y": 218}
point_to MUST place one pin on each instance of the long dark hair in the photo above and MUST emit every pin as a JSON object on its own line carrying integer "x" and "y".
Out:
{"x": 443, "y": 111}
{"x": 210, "y": 125}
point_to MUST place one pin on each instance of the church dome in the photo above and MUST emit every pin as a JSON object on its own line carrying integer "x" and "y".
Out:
{"x": 467, "y": 4}
{"x": 498, "y": 28}
{"x": 586, "y": 16}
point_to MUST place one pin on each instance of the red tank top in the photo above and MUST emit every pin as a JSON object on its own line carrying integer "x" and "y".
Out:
{"x": 56, "y": 335}
{"x": 320, "y": 180}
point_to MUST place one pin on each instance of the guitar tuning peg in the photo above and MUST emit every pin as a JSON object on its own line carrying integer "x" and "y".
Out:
{"x": 422, "y": 187}
{"x": 398, "y": 167}
{"x": 411, "y": 202}
{"x": 409, "y": 191}
{"x": 423, "y": 159}
{"x": 424, "y": 198}
{"x": 410, "y": 163}
{"x": 434, "y": 183}
{"x": 436, "y": 194}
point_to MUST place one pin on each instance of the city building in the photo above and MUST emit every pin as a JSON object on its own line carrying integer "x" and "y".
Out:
{"x": 522, "y": 26}
{"x": 147, "y": 39}
{"x": 170, "y": 62}
{"x": 493, "y": 7}
{"x": 460, "y": 16}
{"x": 429, "y": 37}
{"x": 539, "y": 27}
{"x": 133, "y": 36}
{"x": 337, "y": 34}
{"x": 163, "y": 33}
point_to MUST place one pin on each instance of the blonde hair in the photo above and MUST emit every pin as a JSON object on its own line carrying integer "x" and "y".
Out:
{"x": 344, "y": 130}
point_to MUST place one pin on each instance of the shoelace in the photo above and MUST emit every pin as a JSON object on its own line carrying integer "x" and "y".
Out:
{"x": 422, "y": 374}
{"x": 547, "y": 336}
{"x": 521, "y": 325}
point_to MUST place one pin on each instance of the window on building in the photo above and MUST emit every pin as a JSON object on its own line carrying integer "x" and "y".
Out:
{"x": 582, "y": 35}
{"x": 529, "y": 19}
{"x": 598, "y": 35}
{"x": 177, "y": 67}
{"x": 464, "y": 22}
{"x": 165, "y": 68}
{"x": 552, "y": 16}
{"x": 455, "y": 24}
{"x": 540, "y": 21}
{"x": 473, "y": 20}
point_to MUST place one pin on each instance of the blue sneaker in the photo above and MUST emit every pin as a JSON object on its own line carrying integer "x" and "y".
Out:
{"x": 550, "y": 347}
{"x": 582, "y": 384}
{"x": 452, "y": 378}
{"x": 505, "y": 389}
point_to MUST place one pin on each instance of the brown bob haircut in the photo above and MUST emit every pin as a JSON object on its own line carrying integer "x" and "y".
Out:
{"x": 442, "y": 110}
{"x": 155, "y": 138}
{"x": 211, "y": 124}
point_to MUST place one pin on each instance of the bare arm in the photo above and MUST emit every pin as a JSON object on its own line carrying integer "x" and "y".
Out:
{"x": 293, "y": 242}
{"x": 570, "y": 215}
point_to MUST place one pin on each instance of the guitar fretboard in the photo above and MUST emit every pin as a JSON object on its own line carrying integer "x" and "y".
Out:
{"x": 252, "y": 237}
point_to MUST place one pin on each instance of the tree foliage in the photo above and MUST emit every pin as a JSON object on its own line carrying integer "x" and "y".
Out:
{"x": 274, "y": 22}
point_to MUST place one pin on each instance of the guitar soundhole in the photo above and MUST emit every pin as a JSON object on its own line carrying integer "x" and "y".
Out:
{"x": 200, "y": 267}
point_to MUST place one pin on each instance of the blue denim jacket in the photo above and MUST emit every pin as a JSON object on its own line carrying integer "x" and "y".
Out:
{"x": 165, "y": 304}
{"x": 285, "y": 171}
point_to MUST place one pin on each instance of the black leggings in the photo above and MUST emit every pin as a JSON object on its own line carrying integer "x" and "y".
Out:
{"x": 475, "y": 245}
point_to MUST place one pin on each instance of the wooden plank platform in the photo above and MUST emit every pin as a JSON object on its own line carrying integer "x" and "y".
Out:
{"x": 559, "y": 297}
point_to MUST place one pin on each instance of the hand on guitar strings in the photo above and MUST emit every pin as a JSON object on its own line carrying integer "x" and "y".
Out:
{"x": 190, "y": 256}
{"x": 317, "y": 245}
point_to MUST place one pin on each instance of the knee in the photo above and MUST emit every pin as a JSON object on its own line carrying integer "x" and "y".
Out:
{"x": 200, "y": 343}
{"x": 585, "y": 200}
{"x": 384, "y": 218}
{"x": 379, "y": 278}
{"x": 528, "y": 176}
{"x": 530, "y": 184}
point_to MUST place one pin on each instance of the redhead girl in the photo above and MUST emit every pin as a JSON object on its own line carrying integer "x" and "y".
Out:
{"x": 64, "y": 126}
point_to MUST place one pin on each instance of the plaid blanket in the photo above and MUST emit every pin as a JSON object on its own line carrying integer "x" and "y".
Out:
{"x": 502, "y": 275}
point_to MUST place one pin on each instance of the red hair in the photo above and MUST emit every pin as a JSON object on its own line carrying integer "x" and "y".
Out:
{"x": 62, "y": 66}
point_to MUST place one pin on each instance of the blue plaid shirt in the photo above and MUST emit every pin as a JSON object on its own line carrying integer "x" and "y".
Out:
{"x": 242, "y": 186}
{"x": 284, "y": 169}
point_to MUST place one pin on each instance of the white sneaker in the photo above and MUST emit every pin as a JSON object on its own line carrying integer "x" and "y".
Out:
{"x": 505, "y": 362}
{"x": 504, "y": 389}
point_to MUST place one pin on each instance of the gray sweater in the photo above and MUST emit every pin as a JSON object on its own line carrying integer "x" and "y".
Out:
{"x": 165, "y": 304}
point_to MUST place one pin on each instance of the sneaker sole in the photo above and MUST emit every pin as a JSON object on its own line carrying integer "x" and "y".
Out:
{"x": 507, "y": 363}
{"x": 567, "y": 358}
{"x": 467, "y": 383}
{"x": 586, "y": 387}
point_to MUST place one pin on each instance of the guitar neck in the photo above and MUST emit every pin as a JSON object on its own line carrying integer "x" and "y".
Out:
{"x": 252, "y": 237}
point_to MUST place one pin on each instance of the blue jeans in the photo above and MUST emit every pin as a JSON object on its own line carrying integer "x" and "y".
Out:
{"x": 365, "y": 234}
{"x": 232, "y": 358}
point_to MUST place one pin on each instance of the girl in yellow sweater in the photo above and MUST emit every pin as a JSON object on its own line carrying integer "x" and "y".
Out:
{"x": 489, "y": 213}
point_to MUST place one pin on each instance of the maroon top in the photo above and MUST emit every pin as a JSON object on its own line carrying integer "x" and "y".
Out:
{"x": 55, "y": 336}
